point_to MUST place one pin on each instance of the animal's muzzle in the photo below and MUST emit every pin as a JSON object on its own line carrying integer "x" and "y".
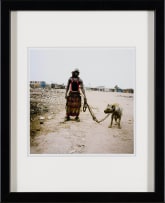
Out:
{"x": 105, "y": 111}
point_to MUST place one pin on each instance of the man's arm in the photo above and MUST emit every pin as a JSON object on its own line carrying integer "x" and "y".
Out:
{"x": 82, "y": 88}
{"x": 67, "y": 88}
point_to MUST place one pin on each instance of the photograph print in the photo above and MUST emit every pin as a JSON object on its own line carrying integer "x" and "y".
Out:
{"x": 82, "y": 100}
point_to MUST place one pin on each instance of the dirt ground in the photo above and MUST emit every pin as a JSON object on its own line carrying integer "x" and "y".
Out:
{"x": 49, "y": 134}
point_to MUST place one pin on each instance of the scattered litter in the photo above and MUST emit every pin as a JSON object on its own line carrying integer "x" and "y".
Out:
{"x": 72, "y": 151}
{"x": 41, "y": 118}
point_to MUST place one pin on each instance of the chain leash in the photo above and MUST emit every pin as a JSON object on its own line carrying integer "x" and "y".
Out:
{"x": 86, "y": 105}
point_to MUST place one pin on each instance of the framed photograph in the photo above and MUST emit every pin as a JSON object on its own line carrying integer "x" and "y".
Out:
{"x": 82, "y": 101}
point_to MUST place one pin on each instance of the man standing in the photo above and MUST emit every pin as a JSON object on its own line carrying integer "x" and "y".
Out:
{"x": 73, "y": 103}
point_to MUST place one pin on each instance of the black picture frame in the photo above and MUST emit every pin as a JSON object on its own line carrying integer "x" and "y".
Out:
{"x": 134, "y": 5}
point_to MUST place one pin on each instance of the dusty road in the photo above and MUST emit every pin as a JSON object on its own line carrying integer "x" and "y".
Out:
{"x": 54, "y": 136}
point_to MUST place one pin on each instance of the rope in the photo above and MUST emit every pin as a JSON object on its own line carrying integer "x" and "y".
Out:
{"x": 92, "y": 114}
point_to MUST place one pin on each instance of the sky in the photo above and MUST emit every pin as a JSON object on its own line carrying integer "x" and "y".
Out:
{"x": 98, "y": 66}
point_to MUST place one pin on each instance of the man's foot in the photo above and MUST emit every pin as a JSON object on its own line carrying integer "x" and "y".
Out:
{"x": 77, "y": 119}
{"x": 67, "y": 118}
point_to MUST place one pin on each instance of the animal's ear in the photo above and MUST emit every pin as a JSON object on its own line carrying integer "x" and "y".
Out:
{"x": 113, "y": 107}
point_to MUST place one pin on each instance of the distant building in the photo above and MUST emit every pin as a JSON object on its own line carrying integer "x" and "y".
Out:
{"x": 52, "y": 85}
{"x": 57, "y": 86}
{"x": 128, "y": 90}
{"x": 43, "y": 84}
{"x": 100, "y": 88}
{"x": 117, "y": 89}
{"x": 94, "y": 88}
{"x": 37, "y": 84}
{"x": 111, "y": 90}
{"x": 106, "y": 89}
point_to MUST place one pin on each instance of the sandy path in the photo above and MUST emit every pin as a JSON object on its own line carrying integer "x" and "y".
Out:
{"x": 86, "y": 136}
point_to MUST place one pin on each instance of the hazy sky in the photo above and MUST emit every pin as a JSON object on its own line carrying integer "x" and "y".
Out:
{"x": 98, "y": 66}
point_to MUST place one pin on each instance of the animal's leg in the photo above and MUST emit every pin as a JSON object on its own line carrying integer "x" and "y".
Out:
{"x": 110, "y": 126}
{"x": 119, "y": 122}
{"x": 115, "y": 119}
